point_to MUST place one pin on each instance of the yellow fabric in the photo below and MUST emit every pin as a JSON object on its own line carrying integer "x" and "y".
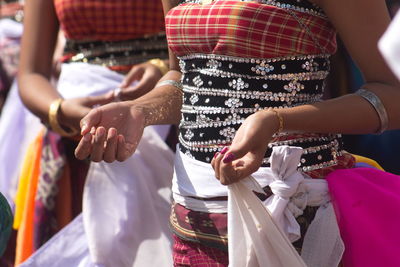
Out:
{"x": 26, "y": 172}
{"x": 373, "y": 163}
{"x": 25, "y": 200}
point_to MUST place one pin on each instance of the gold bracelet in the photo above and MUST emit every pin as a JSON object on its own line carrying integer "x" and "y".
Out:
{"x": 53, "y": 121}
{"x": 280, "y": 118}
{"x": 160, "y": 64}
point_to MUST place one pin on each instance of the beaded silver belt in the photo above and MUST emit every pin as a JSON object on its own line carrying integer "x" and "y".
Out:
{"x": 118, "y": 53}
{"x": 221, "y": 91}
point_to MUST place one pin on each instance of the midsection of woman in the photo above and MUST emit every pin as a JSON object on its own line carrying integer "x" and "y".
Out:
{"x": 117, "y": 34}
{"x": 105, "y": 39}
{"x": 236, "y": 58}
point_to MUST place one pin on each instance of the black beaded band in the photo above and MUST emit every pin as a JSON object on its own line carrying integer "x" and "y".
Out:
{"x": 220, "y": 92}
{"x": 118, "y": 53}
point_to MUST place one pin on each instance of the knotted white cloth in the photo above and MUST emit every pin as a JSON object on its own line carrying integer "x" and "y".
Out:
{"x": 292, "y": 192}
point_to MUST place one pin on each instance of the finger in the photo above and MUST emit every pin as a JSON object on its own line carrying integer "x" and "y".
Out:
{"x": 213, "y": 160}
{"x": 82, "y": 151}
{"x": 216, "y": 161}
{"x": 110, "y": 149}
{"x": 121, "y": 154}
{"x": 134, "y": 74}
{"x": 145, "y": 84}
{"x": 93, "y": 101}
{"x": 98, "y": 145}
{"x": 217, "y": 164}
{"x": 92, "y": 119}
{"x": 236, "y": 151}
{"x": 228, "y": 173}
{"x": 245, "y": 169}
{"x": 248, "y": 164}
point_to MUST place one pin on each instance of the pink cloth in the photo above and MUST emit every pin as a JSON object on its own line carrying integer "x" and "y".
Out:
{"x": 367, "y": 206}
{"x": 188, "y": 253}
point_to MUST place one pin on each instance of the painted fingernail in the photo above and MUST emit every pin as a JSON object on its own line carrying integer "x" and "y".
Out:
{"x": 224, "y": 150}
{"x": 228, "y": 158}
{"x": 216, "y": 154}
{"x": 93, "y": 130}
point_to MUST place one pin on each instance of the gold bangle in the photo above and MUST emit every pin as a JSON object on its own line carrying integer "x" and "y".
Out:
{"x": 280, "y": 118}
{"x": 53, "y": 121}
{"x": 160, "y": 64}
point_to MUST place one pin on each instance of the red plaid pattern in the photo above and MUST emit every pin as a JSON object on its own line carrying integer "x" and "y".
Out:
{"x": 246, "y": 29}
{"x": 186, "y": 253}
{"x": 109, "y": 20}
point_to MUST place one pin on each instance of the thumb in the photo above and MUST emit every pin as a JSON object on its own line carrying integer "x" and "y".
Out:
{"x": 92, "y": 119}
{"x": 100, "y": 99}
{"x": 236, "y": 151}
{"x": 134, "y": 74}
{"x": 145, "y": 84}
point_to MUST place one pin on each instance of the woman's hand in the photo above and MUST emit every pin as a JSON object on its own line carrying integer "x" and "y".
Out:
{"x": 147, "y": 76}
{"x": 246, "y": 153}
{"x": 101, "y": 139}
{"x": 73, "y": 110}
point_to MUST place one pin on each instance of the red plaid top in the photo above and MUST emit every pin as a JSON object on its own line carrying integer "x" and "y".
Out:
{"x": 247, "y": 29}
{"x": 109, "y": 20}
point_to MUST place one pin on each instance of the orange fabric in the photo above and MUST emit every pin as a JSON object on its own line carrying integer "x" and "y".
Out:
{"x": 25, "y": 232}
{"x": 369, "y": 161}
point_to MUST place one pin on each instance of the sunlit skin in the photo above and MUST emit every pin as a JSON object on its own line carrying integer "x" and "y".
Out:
{"x": 349, "y": 114}
{"x": 41, "y": 28}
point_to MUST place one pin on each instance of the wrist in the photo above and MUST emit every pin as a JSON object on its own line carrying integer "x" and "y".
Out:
{"x": 273, "y": 120}
{"x": 141, "y": 113}
{"x": 54, "y": 117}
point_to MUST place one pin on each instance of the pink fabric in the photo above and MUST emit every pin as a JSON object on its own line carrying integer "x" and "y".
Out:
{"x": 367, "y": 206}
{"x": 187, "y": 253}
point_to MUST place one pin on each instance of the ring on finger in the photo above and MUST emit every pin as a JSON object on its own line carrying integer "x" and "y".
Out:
{"x": 117, "y": 94}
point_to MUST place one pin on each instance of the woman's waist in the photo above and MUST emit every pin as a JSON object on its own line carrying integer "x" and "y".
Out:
{"x": 116, "y": 53}
{"x": 213, "y": 83}
{"x": 319, "y": 150}
{"x": 195, "y": 185}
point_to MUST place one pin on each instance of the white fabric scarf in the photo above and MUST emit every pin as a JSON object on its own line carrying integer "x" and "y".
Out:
{"x": 126, "y": 205}
{"x": 261, "y": 235}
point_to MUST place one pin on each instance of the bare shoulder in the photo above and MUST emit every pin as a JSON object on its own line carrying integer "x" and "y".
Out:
{"x": 360, "y": 24}
{"x": 168, "y": 4}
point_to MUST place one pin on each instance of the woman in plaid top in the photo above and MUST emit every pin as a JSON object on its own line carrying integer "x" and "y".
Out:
{"x": 115, "y": 50}
{"x": 248, "y": 77}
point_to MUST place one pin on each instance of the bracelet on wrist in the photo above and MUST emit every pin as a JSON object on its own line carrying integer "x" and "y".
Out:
{"x": 53, "y": 120}
{"x": 278, "y": 116}
{"x": 160, "y": 64}
{"x": 280, "y": 119}
{"x": 376, "y": 103}
{"x": 174, "y": 83}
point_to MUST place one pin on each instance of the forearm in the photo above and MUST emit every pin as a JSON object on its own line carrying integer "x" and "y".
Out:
{"x": 163, "y": 104}
{"x": 350, "y": 114}
{"x": 37, "y": 94}
{"x": 37, "y": 47}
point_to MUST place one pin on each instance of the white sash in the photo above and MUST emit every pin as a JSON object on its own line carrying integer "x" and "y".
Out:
{"x": 250, "y": 220}
{"x": 126, "y": 205}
